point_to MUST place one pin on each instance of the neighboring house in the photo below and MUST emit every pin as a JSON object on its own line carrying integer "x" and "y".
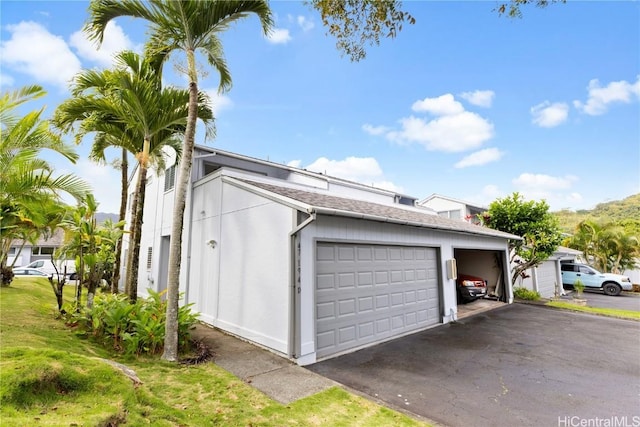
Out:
{"x": 24, "y": 252}
{"x": 449, "y": 207}
{"x": 307, "y": 265}
{"x": 547, "y": 277}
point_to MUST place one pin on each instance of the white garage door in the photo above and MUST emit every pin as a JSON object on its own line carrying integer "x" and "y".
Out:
{"x": 369, "y": 293}
{"x": 546, "y": 275}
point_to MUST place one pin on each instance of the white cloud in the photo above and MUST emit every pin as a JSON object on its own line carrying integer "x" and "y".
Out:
{"x": 544, "y": 182}
{"x": 115, "y": 40}
{"x": 97, "y": 176}
{"x": 491, "y": 192}
{"x": 374, "y": 130}
{"x": 548, "y": 115}
{"x": 365, "y": 170}
{"x": 295, "y": 163}
{"x": 481, "y": 157}
{"x": 218, "y": 102}
{"x": 279, "y": 36}
{"x": 600, "y": 97}
{"x": 488, "y": 194}
{"x": 481, "y": 98}
{"x": 441, "y": 106}
{"x": 35, "y": 51}
{"x": 452, "y": 133}
{"x": 574, "y": 197}
{"x": 305, "y": 24}
{"x": 6, "y": 81}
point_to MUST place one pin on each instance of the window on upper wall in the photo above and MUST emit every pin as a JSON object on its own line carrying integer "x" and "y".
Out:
{"x": 453, "y": 214}
{"x": 12, "y": 251}
{"x": 42, "y": 250}
{"x": 170, "y": 178}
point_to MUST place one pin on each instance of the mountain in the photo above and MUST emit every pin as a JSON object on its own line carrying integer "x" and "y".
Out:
{"x": 102, "y": 216}
{"x": 626, "y": 211}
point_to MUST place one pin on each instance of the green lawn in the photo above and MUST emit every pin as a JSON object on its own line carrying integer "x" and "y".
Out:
{"x": 51, "y": 376}
{"x": 610, "y": 312}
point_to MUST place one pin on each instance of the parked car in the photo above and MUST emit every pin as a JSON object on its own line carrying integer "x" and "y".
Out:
{"x": 609, "y": 283}
{"x": 470, "y": 288}
{"x": 29, "y": 272}
{"x": 48, "y": 267}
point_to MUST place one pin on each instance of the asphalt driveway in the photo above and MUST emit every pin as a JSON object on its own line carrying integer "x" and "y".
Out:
{"x": 517, "y": 365}
{"x": 624, "y": 301}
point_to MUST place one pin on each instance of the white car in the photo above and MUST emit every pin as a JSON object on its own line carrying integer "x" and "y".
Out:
{"x": 611, "y": 284}
{"x": 29, "y": 272}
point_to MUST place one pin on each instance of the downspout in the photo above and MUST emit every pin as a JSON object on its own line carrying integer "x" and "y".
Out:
{"x": 194, "y": 170}
{"x": 295, "y": 283}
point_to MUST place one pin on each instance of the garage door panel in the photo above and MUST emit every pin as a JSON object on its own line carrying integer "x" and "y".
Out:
{"x": 376, "y": 292}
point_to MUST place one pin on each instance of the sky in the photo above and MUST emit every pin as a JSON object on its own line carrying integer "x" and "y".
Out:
{"x": 464, "y": 103}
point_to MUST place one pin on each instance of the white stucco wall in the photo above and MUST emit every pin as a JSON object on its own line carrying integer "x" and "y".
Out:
{"x": 241, "y": 285}
{"x": 439, "y": 205}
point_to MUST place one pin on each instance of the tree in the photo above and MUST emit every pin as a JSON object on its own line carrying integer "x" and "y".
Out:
{"x": 128, "y": 108}
{"x": 606, "y": 245}
{"x": 358, "y": 23}
{"x": 185, "y": 26}
{"x": 28, "y": 184}
{"x": 530, "y": 220}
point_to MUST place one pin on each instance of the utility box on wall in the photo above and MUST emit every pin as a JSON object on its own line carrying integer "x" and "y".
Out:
{"x": 452, "y": 269}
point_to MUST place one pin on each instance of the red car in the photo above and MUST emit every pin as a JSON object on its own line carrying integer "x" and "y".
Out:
{"x": 470, "y": 288}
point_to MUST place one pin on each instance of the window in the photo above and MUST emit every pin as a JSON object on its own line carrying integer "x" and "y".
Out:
{"x": 170, "y": 178}
{"x": 12, "y": 251}
{"x": 454, "y": 214}
{"x": 149, "y": 257}
{"x": 42, "y": 250}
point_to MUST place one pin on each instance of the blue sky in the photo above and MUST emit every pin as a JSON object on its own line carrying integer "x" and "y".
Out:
{"x": 464, "y": 103}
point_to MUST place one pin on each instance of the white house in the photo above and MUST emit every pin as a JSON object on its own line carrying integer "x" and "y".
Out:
{"x": 546, "y": 278}
{"x": 23, "y": 252}
{"x": 307, "y": 265}
{"x": 449, "y": 207}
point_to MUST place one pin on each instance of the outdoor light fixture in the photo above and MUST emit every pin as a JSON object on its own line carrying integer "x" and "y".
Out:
{"x": 212, "y": 243}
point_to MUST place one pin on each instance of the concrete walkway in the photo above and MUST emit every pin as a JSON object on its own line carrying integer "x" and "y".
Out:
{"x": 273, "y": 375}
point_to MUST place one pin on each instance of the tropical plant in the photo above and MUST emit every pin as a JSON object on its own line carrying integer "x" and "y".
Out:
{"x": 128, "y": 108}
{"x": 183, "y": 26}
{"x": 133, "y": 328}
{"x": 82, "y": 242}
{"x": 29, "y": 188}
{"x": 578, "y": 286}
{"x": 526, "y": 294}
{"x": 530, "y": 220}
{"x": 607, "y": 246}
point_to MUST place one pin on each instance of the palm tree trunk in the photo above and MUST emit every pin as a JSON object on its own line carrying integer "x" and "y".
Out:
{"x": 124, "y": 171}
{"x": 136, "y": 235}
{"x": 175, "y": 250}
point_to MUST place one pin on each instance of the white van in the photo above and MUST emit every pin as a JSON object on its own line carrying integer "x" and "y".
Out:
{"x": 46, "y": 266}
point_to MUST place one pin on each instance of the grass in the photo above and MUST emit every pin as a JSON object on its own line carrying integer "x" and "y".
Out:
{"x": 610, "y": 312}
{"x": 51, "y": 376}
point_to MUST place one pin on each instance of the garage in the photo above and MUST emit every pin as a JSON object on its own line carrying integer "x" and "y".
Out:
{"x": 488, "y": 265}
{"x": 546, "y": 277}
{"x": 366, "y": 293}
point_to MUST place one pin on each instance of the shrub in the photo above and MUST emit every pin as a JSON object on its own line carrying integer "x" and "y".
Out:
{"x": 133, "y": 328}
{"x": 526, "y": 294}
{"x": 578, "y": 285}
{"x": 7, "y": 275}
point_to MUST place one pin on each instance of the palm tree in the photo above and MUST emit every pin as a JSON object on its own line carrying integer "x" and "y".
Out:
{"x": 27, "y": 183}
{"x": 607, "y": 246}
{"x": 128, "y": 108}
{"x": 186, "y": 26}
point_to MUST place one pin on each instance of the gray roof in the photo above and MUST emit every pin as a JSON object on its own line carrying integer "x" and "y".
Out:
{"x": 341, "y": 206}
{"x": 55, "y": 240}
